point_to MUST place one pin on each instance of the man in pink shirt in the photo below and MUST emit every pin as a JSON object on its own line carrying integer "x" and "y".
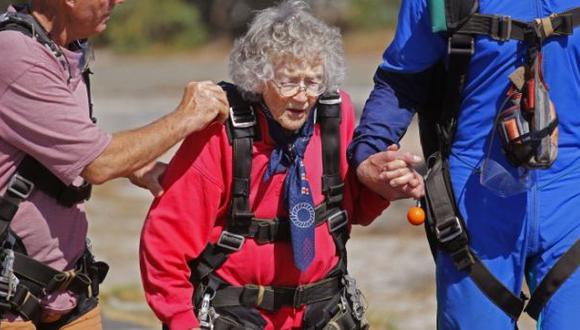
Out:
{"x": 50, "y": 153}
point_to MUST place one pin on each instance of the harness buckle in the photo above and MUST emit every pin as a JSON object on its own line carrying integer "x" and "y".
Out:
{"x": 8, "y": 281}
{"x": 20, "y": 186}
{"x": 230, "y": 241}
{"x": 448, "y": 230}
{"x": 243, "y": 120}
{"x": 456, "y": 46}
{"x": 358, "y": 303}
{"x": 337, "y": 220}
{"x": 330, "y": 98}
{"x": 298, "y": 296}
{"x": 566, "y": 26}
{"x": 207, "y": 314}
{"x": 502, "y": 28}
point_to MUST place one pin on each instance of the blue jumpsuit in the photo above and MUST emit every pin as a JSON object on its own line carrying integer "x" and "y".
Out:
{"x": 518, "y": 237}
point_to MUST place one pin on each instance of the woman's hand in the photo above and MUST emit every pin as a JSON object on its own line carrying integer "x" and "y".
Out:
{"x": 149, "y": 177}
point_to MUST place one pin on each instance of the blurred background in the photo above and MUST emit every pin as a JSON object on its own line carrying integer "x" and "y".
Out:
{"x": 150, "y": 51}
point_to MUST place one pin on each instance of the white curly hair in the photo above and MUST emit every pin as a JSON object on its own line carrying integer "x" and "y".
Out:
{"x": 287, "y": 30}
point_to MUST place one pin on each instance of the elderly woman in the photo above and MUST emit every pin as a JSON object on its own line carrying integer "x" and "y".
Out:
{"x": 251, "y": 230}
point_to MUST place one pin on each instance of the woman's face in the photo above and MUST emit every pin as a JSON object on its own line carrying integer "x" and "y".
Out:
{"x": 293, "y": 92}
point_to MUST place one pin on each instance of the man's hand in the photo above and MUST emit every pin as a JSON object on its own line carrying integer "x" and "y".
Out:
{"x": 203, "y": 103}
{"x": 149, "y": 177}
{"x": 390, "y": 174}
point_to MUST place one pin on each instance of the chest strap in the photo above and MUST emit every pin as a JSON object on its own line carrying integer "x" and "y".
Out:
{"x": 504, "y": 28}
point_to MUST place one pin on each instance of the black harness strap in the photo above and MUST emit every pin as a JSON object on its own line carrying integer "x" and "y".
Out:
{"x": 242, "y": 224}
{"x": 504, "y": 28}
{"x": 446, "y": 227}
{"x": 560, "y": 272}
{"x": 452, "y": 237}
{"x": 328, "y": 117}
{"x": 44, "y": 180}
{"x": 272, "y": 298}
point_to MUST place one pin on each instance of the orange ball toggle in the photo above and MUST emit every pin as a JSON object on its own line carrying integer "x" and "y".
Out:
{"x": 416, "y": 215}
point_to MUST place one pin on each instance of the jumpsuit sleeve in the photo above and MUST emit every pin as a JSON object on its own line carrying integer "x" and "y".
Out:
{"x": 364, "y": 205}
{"x": 400, "y": 82}
{"x": 177, "y": 229}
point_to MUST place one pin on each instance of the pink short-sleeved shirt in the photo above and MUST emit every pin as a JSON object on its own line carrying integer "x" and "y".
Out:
{"x": 44, "y": 114}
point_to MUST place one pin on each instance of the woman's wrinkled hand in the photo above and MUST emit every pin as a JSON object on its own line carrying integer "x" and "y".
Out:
{"x": 149, "y": 177}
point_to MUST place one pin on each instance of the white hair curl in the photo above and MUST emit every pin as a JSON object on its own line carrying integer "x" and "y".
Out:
{"x": 287, "y": 30}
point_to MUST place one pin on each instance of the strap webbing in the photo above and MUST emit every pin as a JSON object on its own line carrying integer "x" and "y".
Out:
{"x": 560, "y": 272}
{"x": 451, "y": 236}
{"x": 272, "y": 298}
{"x": 44, "y": 180}
{"x": 328, "y": 117}
{"x": 505, "y": 28}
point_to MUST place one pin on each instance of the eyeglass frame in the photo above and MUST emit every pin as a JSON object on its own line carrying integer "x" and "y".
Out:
{"x": 302, "y": 86}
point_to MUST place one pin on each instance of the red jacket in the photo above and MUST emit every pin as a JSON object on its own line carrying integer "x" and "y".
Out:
{"x": 192, "y": 212}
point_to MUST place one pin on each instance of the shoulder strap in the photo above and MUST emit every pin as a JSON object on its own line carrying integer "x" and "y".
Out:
{"x": 242, "y": 130}
{"x": 460, "y": 49}
{"x": 329, "y": 117}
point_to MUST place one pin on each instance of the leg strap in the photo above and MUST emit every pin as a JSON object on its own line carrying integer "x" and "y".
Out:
{"x": 562, "y": 270}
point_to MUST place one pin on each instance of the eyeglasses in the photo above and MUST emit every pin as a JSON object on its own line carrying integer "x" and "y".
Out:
{"x": 289, "y": 89}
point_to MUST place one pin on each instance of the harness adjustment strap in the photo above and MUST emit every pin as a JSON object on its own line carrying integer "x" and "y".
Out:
{"x": 560, "y": 272}
{"x": 271, "y": 298}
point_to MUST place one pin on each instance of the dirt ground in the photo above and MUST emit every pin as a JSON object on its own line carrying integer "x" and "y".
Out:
{"x": 390, "y": 258}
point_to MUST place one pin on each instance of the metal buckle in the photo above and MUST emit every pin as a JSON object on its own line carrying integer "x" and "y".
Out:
{"x": 8, "y": 281}
{"x": 236, "y": 122}
{"x": 20, "y": 186}
{"x": 298, "y": 293}
{"x": 454, "y": 50}
{"x": 449, "y": 230}
{"x": 207, "y": 313}
{"x": 231, "y": 241}
{"x": 332, "y": 99}
{"x": 337, "y": 220}
{"x": 504, "y": 28}
{"x": 264, "y": 226}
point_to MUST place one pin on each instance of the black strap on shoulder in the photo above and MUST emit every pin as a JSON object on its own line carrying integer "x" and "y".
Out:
{"x": 560, "y": 272}
{"x": 329, "y": 117}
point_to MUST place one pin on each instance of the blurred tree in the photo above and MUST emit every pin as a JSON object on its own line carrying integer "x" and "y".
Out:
{"x": 371, "y": 14}
{"x": 138, "y": 25}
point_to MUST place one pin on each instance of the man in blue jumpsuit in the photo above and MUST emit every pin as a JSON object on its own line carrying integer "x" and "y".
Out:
{"x": 517, "y": 237}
